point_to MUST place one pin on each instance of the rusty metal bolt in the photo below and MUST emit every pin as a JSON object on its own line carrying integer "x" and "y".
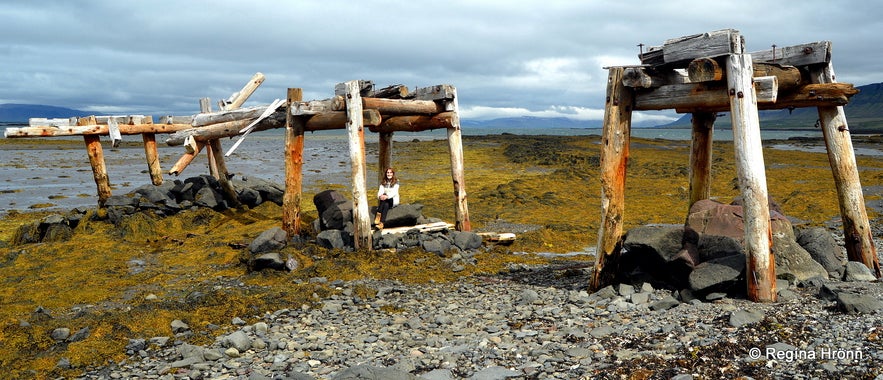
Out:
{"x": 807, "y": 50}
{"x": 842, "y": 128}
{"x": 740, "y": 95}
{"x": 732, "y": 91}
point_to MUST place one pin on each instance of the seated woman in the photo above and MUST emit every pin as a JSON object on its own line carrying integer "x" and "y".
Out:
{"x": 387, "y": 195}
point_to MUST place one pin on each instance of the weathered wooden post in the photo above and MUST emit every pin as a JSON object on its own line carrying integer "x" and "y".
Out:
{"x": 761, "y": 266}
{"x": 152, "y": 155}
{"x": 458, "y": 175}
{"x": 856, "y": 228}
{"x": 614, "y": 160}
{"x": 356, "y": 136}
{"x": 700, "y": 156}
{"x": 384, "y": 154}
{"x": 96, "y": 160}
{"x": 216, "y": 164}
{"x": 294, "y": 161}
{"x": 206, "y": 107}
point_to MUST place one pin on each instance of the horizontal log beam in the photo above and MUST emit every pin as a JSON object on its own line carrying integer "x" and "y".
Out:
{"x": 93, "y": 129}
{"x": 318, "y": 122}
{"x": 810, "y": 95}
{"x": 250, "y": 113}
{"x": 415, "y": 123}
{"x": 700, "y": 96}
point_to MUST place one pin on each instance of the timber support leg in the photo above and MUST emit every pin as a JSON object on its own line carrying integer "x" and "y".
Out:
{"x": 294, "y": 152}
{"x": 761, "y": 265}
{"x": 614, "y": 160}
{"x": 700, "y": 156}
{"x": 856, "y": 227}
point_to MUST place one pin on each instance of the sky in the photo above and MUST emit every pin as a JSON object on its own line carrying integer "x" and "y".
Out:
{"x": 506, "y": 58}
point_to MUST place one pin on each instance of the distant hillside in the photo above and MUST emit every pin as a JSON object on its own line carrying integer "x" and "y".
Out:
{"x": 20, "y": 113}
{"x": 864, "y": 113}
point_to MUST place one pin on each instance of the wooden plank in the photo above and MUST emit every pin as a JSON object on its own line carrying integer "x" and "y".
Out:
{"x": 498, "y": 237}
{"x": 423, "y": 228}
{"x": 761, "y": 266}
{"x": 294, "y": 153}
{"x": 813, "y": 53}
{"x": 458, "y": 171}
{"x": 678, "y": 52}
{"x": 700, "y": 156}
{"x": 857, "y": 232}
{"x": 356, "y": 137}
{"x": 615, "y": 137}
{"x": 437, "y": 92}
{"x": 700, "y": 96}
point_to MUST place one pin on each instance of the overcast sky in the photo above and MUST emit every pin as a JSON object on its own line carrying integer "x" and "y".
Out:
{"x": 506, "y": 58}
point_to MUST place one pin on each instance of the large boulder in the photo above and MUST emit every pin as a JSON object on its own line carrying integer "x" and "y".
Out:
{"x": 404, "y": 215}
{"x": 709, "y": 217}
{"x": 273, "y": 239}
{"x": 665, "y": 253}
{"x": 821, "y": 245}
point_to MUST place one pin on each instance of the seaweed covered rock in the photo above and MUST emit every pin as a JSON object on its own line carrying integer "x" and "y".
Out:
{"x": 52, "y": 228}
{"x": 202, "y": 191}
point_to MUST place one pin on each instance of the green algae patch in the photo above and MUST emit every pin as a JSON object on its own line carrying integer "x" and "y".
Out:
{"x": 131, "y": 279}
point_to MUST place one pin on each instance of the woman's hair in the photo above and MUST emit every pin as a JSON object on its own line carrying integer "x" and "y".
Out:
{"x": 394, "y": 179}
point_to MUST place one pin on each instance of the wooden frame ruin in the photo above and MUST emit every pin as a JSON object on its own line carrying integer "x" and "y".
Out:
{"x": 708, "y": 73}
{"x": 356, "y": 105}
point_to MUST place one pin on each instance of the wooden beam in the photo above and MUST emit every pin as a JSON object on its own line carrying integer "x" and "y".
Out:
{"x": 396, "y": 91}
{"x": 813, "y": 53}
{"x": 238, "y": 98}
{"x": 678, "y": 52}
{"x": 700, "y": 156}
{"x": 648, "y": 77}
{"x": 761, "y": 265}
{"x": 857, "y": 232}
{"x": 700, "y": 96}
{"x": 356, "y": 136}
{"x": 705, "y": 70}
{"x": 91, "y": 129}
{"x": 96, "y": 161}
{"x": 615, "y": 137}
{"x": 294, "y": 161}
{"x": 186, "y": 159}
{"x": 245, "y": 114}
{"x": 403, "y": 106}
{"x": 458, "y": 171}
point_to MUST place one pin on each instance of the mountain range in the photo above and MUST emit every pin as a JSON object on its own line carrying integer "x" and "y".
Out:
{"x": 864, "y": 114}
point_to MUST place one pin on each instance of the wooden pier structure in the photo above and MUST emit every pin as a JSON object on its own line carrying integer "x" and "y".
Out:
{"x": 356, "y": 107}
{"x": 708, "y": 73}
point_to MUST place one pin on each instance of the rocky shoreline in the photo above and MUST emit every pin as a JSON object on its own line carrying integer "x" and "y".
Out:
{"x": 528, "y": 323}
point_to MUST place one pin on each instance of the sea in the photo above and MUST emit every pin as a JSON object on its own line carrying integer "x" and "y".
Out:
{"x": 59, "y": 177}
